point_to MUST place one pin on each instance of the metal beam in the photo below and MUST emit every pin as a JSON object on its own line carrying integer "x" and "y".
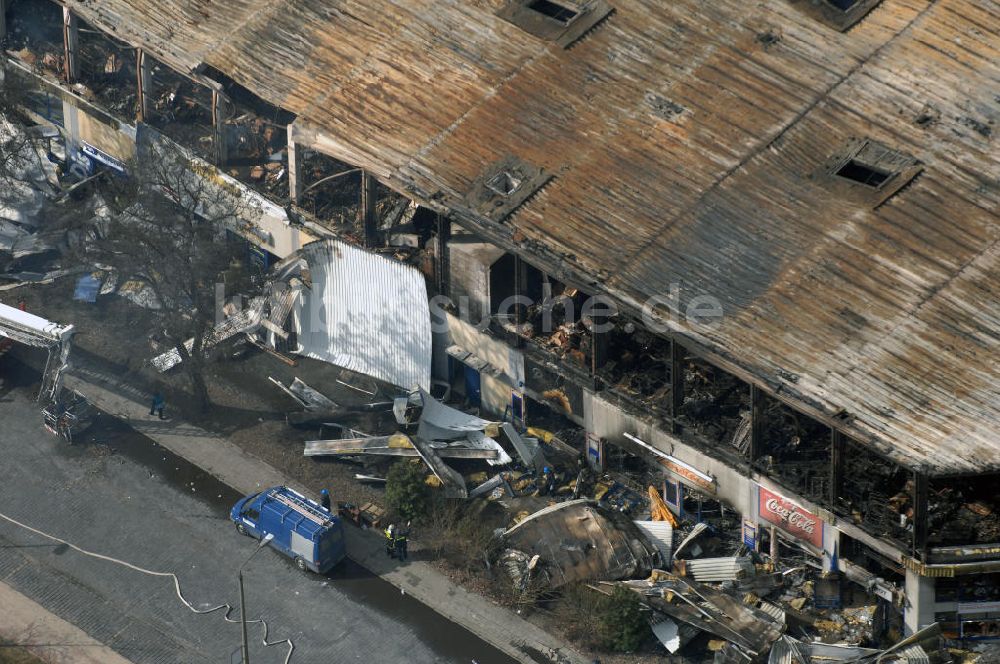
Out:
{"x": 443, "y": 255}
{"x": 71, "y": 46}
{"x": 295, "y": 184}
{"x": 369, "y": 196}
{"x": 3, "y": 19}
{"x": 598, "y": 353}
{"x": 219, "y": 104}
{"x": 144, "y": 85}
{"x": 676, "y": 384}
{"x": 921, "y": 490}
{"x": 756, "y": 422}
{"x": 838, "y": 445}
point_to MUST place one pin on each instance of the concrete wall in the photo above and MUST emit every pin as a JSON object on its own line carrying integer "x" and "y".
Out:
{"x": 272, "y": 230}
{"x": 920, "y": 599}
{"x": 469, "y": 276}
{"x": 117, "y": 141}
{"x": 608, "y": 421}
{"x": 509, "y": 363}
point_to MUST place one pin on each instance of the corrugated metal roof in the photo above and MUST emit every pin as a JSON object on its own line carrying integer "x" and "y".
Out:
{"x": 366, "y": 313}
{"x": 661, "y": 534}
{"x": 698, "y": 138}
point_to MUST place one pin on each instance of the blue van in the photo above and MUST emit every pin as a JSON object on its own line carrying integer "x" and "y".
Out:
{"x": 302, "y": 529}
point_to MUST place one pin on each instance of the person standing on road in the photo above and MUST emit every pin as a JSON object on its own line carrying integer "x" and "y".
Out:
{"x": 157, "y": 405}
{"x": 400, "y": 542}
{"x": 390, "y": 541}
{"x": 324, "y": 499}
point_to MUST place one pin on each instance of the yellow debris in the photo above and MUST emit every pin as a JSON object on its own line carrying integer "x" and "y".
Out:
{"x": 433, "y": 481}
{"x": 659, "y": 510}
{"x": 541, "y": 434}
{"x": 478, "y": 478}
{"x": 826, "y": 626}
{"x": 400, "y": 441}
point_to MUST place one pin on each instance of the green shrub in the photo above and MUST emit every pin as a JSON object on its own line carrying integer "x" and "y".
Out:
{"x": 623, "y": 626}
{"x": 406, "y": 492}
{"x": 613, "y": 622}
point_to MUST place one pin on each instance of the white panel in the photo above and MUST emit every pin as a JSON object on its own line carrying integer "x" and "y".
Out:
{"x": 302, "y": 547}
{"x": 366, "y": 313}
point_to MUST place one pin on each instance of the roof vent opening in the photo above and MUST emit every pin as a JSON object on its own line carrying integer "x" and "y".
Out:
{"x": 866, "y": 175}
{"x": 557, "y": 11}
{"x": 560, "y": 21}
{"x": 838, "y": 14}
{"x": 871, "y": 171}
{"x": 504, "y": 183}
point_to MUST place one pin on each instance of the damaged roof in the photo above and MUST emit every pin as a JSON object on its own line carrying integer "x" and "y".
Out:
{"x": 704, "y": 138}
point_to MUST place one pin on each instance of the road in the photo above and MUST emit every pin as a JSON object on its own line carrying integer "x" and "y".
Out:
{"x": 118, "y": 494}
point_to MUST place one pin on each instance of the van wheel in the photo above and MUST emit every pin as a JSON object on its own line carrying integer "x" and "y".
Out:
{"x": 242, "y": 530}
{"x": 301, "y": 564}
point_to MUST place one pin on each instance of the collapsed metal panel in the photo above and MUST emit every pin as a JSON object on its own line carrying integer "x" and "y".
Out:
{"x": 366, "y": 313}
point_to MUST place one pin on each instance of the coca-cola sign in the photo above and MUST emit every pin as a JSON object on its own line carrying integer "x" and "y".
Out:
{"x": 790, "y": 517}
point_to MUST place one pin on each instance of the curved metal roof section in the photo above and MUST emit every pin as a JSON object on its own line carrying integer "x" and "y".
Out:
{"x": 690, "y": 144}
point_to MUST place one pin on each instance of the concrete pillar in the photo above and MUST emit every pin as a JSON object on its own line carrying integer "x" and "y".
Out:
{"x": 369, "y": 197}
{"x": 920, "y": 597}
{"x": 831, "y": 548}
{"x": 71, "y": 46}
{"x": 295, "y": 183}
{"x": 144, "y": 85}
{"x": 219, "y": 105}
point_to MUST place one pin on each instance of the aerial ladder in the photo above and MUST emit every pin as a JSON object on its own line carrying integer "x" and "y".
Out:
{"x": 26, "y": 328}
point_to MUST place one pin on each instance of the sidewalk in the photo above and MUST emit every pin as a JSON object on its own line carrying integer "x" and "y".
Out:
{"x": 47, "y": 636}
{"x": 214, "y": 454}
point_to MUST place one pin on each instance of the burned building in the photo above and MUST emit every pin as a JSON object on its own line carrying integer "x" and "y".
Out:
{"x": 794, "y": 205}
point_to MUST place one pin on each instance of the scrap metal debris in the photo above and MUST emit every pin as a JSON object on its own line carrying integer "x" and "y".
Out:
{"x": 579, "y": 541}
{"x": 306, "y": 396}
{"x": 710, "y": 610}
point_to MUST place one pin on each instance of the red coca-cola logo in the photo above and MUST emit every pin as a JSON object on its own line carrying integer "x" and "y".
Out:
{"x": 790, "y": 517}
{"x": 795, "y": 518}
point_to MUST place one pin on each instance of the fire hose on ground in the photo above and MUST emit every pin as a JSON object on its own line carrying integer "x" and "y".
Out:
{"x": 177, "y": 585}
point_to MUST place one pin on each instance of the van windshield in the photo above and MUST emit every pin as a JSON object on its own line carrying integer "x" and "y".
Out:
{"x": 249, "y": 501}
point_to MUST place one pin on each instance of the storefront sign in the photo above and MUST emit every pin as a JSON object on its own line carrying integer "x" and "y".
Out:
{"x": 695, "y": 479}
{"x": 791, "y": 518}
{"x": 595, "y": 451}
{"x": 750, "y": 534}
{"x": 102, "y": 157}
{"x": 884, "y": 591}
{"x": 977, "y": 608}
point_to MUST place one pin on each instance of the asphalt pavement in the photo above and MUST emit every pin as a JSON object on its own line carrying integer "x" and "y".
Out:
{"x": 118, "y": 494}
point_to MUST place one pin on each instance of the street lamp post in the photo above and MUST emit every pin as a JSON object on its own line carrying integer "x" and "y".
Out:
{"x": 243, "y": 604}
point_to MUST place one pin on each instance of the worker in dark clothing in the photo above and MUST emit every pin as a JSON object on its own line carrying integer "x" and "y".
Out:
{"x": 390, "y": 541}
{"x": 324, "y": 499}
{"x": 157, "y": 405}
{"x": 548, "y": 482}
{"x": 401, "y": 533}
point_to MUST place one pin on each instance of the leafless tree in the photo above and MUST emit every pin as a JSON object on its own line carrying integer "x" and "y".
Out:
{"x": 166, "y": 226}
{"x": 21, "y": 149}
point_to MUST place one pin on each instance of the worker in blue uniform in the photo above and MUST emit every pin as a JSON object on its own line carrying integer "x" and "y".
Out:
{"x": 324, "y": 499}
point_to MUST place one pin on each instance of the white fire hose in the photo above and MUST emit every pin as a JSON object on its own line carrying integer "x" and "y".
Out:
{"x": 177, "y": 585}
